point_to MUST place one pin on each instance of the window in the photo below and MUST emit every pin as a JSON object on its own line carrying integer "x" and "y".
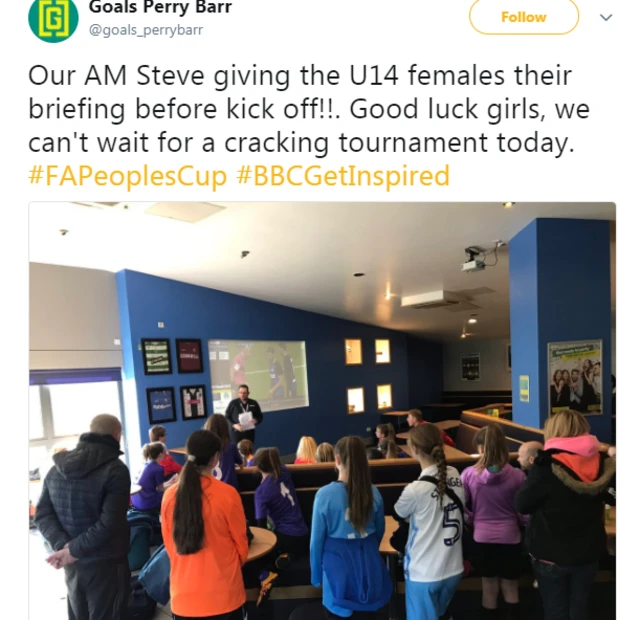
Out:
{"x": 61, "y": 406}
{"x": 36, "y": 428}
{"x": 384, "y": 396}
{"x": 383, "y": 352}
{"x": 353, "y": 352}
{"x": 355, "y": 400}
{"x": 74, "y": 405}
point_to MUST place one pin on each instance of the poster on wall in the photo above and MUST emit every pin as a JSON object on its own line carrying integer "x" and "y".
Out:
{"x": 575, "y": 376}
{"x": 189, "y": 354}
{"x": 161, "y": 405}
{"x": 156, "y": 356}
{"x": 193, "y": 402}
{"x": 471, "y": 367}
{"x": 524, "y": 388}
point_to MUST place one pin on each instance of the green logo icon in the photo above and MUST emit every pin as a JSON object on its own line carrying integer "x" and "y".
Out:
{"x": 53, "y": 21}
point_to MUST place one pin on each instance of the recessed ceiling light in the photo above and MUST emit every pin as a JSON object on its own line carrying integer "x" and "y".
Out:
{"x": 473, "y": 318}
{"x": 508, "y": 205}
{"x": 358, "y": 275}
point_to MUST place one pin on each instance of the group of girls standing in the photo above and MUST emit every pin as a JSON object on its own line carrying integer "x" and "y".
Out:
{"x": 204, "y": 527}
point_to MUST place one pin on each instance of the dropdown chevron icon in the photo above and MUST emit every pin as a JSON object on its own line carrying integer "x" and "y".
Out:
{"x": 606, "y": 19}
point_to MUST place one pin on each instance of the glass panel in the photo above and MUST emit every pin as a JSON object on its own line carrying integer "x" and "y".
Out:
{"x": 36, "y": 429}
{"x": 73, "y": 405}
{"x": 353, "y": 351}
{"x": 383, "y": 352}
{"x": 355, "y": 400}
{"x": 384, "y": 396}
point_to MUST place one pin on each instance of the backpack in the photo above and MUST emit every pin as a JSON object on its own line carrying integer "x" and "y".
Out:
{"x": 155, "y": 575}
{"x": 141, "y": 606}
{"x": 141, "y": 538}
{"x": 400, "y": 537}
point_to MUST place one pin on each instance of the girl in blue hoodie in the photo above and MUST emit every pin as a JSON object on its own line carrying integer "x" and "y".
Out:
{"x": 346, "y": 531}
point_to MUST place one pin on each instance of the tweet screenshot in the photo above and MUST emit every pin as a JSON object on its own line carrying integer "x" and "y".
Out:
{"x": 312, "y": 309}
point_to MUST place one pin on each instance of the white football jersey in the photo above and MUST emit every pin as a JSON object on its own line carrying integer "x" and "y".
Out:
{"x": 434, "y": 548}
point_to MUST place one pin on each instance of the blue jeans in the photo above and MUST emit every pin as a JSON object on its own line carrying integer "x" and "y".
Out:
{"x": 564, "y": 589}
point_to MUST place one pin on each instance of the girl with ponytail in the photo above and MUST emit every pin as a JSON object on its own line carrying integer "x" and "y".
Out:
{"x": 275, "y": 498}
{"x": 433, "y": 505}
{"x": 204, "y": 531}
{"x": 491, "y": 486}
{"x": 229, "y": 453}
{"x": 346, "y": 530}
{"x": 151, "y": 479}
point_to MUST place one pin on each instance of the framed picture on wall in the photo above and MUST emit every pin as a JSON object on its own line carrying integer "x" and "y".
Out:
{"x": 471, "y": 367}
{"x": 161, "y": 405}
{"x": 156, "y": 356}
{"x": 189, "y": 354}
{"x": 575, "y": 376}
{"x": 193, "y": 401}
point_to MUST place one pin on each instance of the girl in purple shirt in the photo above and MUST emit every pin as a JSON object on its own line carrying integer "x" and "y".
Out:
{"x": 151, "y": 479}
{"x": 490, "y": 488}
{"x": 229, "y": 455}
{"x": 275, "y": 498}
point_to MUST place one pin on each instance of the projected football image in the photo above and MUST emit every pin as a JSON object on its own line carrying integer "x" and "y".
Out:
{"x": 276, "y": 373}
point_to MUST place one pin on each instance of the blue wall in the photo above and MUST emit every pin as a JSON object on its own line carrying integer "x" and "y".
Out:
{"x": 560, "y": 289}
{"x": 190, "y": 311}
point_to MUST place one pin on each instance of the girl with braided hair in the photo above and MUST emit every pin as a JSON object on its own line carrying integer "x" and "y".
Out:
{"x": 491, "y": 486}
{"x": 433, "y": 505}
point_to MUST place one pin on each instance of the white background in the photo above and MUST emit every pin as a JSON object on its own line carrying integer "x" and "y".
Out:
{"x": 331, "y": 34}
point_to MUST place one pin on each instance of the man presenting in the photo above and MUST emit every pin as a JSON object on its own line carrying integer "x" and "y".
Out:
{"x": 82, "y": 513}
{"x": 244, "y": 414}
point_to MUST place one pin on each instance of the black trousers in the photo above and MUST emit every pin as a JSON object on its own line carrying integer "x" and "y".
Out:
{"x": 238, "y": 436}
{"x": 564, "y": 589}
{"x": 97, "y": 591}
{"x": 316, "y": 611}
{"x": 238, "y": 614}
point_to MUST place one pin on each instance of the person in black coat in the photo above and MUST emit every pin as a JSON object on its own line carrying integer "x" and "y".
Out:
{"x": 82, "y": 513}
{"x": 238, "y": 406}
{"x": 565, "y": 493}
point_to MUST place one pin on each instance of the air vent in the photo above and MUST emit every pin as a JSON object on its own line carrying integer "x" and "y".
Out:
{"x": 436, "y": 299}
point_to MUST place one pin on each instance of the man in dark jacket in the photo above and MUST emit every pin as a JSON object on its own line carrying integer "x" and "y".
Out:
{"x": 239, "y": 406}
{"x": 82, "y": 513}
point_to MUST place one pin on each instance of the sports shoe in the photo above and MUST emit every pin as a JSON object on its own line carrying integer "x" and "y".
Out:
{"x": 267, "y": 579}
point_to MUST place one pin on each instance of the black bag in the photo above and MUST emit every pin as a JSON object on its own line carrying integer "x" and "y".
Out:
{"x": 141, "y": 606}
{"x": 400, "y": 537}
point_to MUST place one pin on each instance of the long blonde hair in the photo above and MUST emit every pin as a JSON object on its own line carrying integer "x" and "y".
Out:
{"x": 307, "y": 449}
{"x": 567, "y": 423}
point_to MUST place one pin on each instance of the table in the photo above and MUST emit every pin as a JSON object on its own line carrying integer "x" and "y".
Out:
{"x": 391, "y": 557}
{"x": 454, "y": 453}
{"x": 263, "y": 543}
{"x": 135, "y": 488}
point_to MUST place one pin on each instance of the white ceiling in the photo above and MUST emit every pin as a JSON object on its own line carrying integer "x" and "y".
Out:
{"x": 304, "y": 255}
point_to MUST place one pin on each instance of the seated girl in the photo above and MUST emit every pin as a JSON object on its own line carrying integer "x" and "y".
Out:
{"x": 325, "y": 454}
{"x": 229, "y": 455}
{"x": 385, "y": 431}
{"x": 306, "y": 453}
{"x": 159, "y": 433}
{"x": 245, "y": 447}
{"x": 151, "y": 479}
{"x": 390, "y": 450}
